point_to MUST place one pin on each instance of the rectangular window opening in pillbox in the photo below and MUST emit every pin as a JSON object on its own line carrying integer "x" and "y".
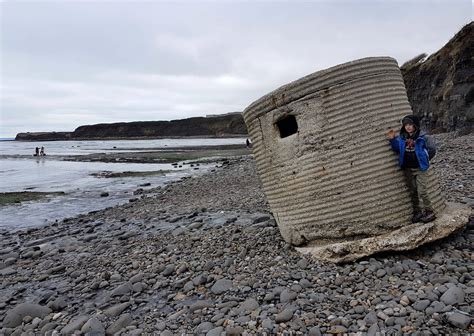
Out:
{"x": 287, "y": 126}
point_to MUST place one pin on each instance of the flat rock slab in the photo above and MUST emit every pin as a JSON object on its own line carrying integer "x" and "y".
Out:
{"x": 454, "y": 217}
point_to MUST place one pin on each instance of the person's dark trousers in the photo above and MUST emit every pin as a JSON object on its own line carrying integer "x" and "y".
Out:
{"x": 417, "y": 182}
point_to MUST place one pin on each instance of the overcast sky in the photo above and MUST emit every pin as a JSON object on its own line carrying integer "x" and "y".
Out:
{"x": 71, "y": 63}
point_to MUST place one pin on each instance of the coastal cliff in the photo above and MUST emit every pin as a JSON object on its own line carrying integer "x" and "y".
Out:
{"x": 441, "y": 87}
{"x": 216, "y": 126}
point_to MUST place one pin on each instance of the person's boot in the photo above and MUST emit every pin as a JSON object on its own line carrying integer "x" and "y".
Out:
{"x": 417, "y": 215}
{"x": 428, "y": 215}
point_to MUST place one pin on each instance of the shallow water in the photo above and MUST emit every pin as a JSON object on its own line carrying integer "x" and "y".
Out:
{"x": 48, "y": 174}
{"x": 12, "y": 148}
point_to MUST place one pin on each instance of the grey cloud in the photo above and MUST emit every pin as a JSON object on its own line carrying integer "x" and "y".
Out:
{"x": 65, "y": 64}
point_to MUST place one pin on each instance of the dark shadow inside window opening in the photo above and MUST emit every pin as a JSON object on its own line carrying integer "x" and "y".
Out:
{"x": 287, "y": 126}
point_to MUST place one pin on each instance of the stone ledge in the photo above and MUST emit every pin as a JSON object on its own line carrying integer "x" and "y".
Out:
{"x": 454, "y": 217}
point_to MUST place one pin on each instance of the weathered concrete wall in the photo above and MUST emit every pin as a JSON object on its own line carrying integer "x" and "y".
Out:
{"x": 336, "y": 177}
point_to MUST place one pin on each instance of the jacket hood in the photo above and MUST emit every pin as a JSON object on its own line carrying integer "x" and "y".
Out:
{"x": 412, "y": 119}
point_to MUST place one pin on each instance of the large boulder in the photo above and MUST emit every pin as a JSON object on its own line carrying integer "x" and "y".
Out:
{"x": 14, "y": 316}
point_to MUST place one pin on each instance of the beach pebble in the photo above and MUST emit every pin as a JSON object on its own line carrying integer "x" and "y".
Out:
{"x": 169, "y": 269}
{"x": 248, "y": 305}
{"x": 370, "y": 318}
{"x": 287, "y": 295}
{"x": 215, "y": 332}
{"x": 458, "y": 320}
{"x": 200, "y": 304}
{"x": 196, "y": 225}
{"x": 58, "y": 304}
{"x": 221, "y": 286}
{"x": 203, "y": 328}
{"x": 116, "y": 309}
{"x": 136, "y": 278}
{"x": 123, "y": 289}
{"x": 267, "y": 324}
{"x": 314, "y": 331}
{"x": 47, "y": 327}
{"x": 454, "y": 295}
{"x": 75, "y": 324}
{"x": 93, "y": 326}
{"x": 421, "y": 305}
{"x": 285, "y": 315}
{"x": 122, "y": 322}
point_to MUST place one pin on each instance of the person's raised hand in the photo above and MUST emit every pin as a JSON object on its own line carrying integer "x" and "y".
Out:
{"x": 391, "y": 134}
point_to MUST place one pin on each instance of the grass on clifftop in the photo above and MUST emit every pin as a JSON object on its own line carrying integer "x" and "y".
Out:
{"x": 7, "y": 198}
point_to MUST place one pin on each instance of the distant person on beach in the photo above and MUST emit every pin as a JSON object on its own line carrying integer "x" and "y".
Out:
{"x": 37, "y": 151}
{"x": 415, "y": 149}
{"x": 247, "y": 143}
{"x": 42, "y": 153}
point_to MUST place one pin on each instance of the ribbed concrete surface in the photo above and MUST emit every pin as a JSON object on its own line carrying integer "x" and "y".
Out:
{"x": 336, "y": 178}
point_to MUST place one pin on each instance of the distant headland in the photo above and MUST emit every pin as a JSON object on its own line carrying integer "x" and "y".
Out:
{"x": 226, "y": 125}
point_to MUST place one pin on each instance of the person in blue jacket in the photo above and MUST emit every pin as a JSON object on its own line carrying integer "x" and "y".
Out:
{"x": 415, "y": 149}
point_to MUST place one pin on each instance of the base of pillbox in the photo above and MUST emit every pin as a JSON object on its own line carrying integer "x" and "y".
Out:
{"x": 454, "y": 218}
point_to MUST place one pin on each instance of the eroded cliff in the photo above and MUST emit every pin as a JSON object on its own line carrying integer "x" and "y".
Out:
{"x": 441, "y": 87}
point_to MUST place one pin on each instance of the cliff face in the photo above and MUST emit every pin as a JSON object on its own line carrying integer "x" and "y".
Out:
{"x": 43, "y": 136}
{"x": 218, "y": 126}
{"x": 215, "y": 126}
{"x": 441, "y": 88}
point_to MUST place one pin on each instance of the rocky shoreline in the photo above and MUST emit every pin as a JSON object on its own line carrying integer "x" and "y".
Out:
{"x": 203, "y": 256}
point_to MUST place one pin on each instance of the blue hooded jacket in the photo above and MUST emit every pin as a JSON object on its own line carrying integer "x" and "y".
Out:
{"x": 425, "y": 149}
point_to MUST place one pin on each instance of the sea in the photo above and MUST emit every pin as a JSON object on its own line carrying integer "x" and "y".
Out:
{"x": 20, "y": 171}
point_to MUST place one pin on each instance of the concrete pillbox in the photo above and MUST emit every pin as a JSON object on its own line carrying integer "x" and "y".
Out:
{"x": 321, "y": 150}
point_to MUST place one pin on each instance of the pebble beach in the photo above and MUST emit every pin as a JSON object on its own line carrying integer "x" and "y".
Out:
{"x": 203, "y": 256}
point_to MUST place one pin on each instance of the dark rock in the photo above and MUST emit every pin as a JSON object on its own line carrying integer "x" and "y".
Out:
{"x": 93, "y": 327}
{"x": 234, "y": 331}
{"x": 370, "y": 318}
{"x": 122, "y": 322}
{"x": 169, "y": 270}
{"x": 221, "y": 286}
{"x": 14, "y": 317}
{"x": 421, "y": 305}
{"x": 58, "y": 304}
{"x": 248, "y": 305}
{"x": 453, "y": 295}
{"x": 314, "y": 331}
{"x": 285, "y": 315}
{"x": 203, "y": 328}
{"x": 75, "y": 324}
{"x": 458, "y": 320}
{"x": 117, "y": 309}
{"x": 201, "y": 304}
{"x": 215, "y": 332}
{"x": 267, "y": 324}
{"x": 123, "y": 289}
